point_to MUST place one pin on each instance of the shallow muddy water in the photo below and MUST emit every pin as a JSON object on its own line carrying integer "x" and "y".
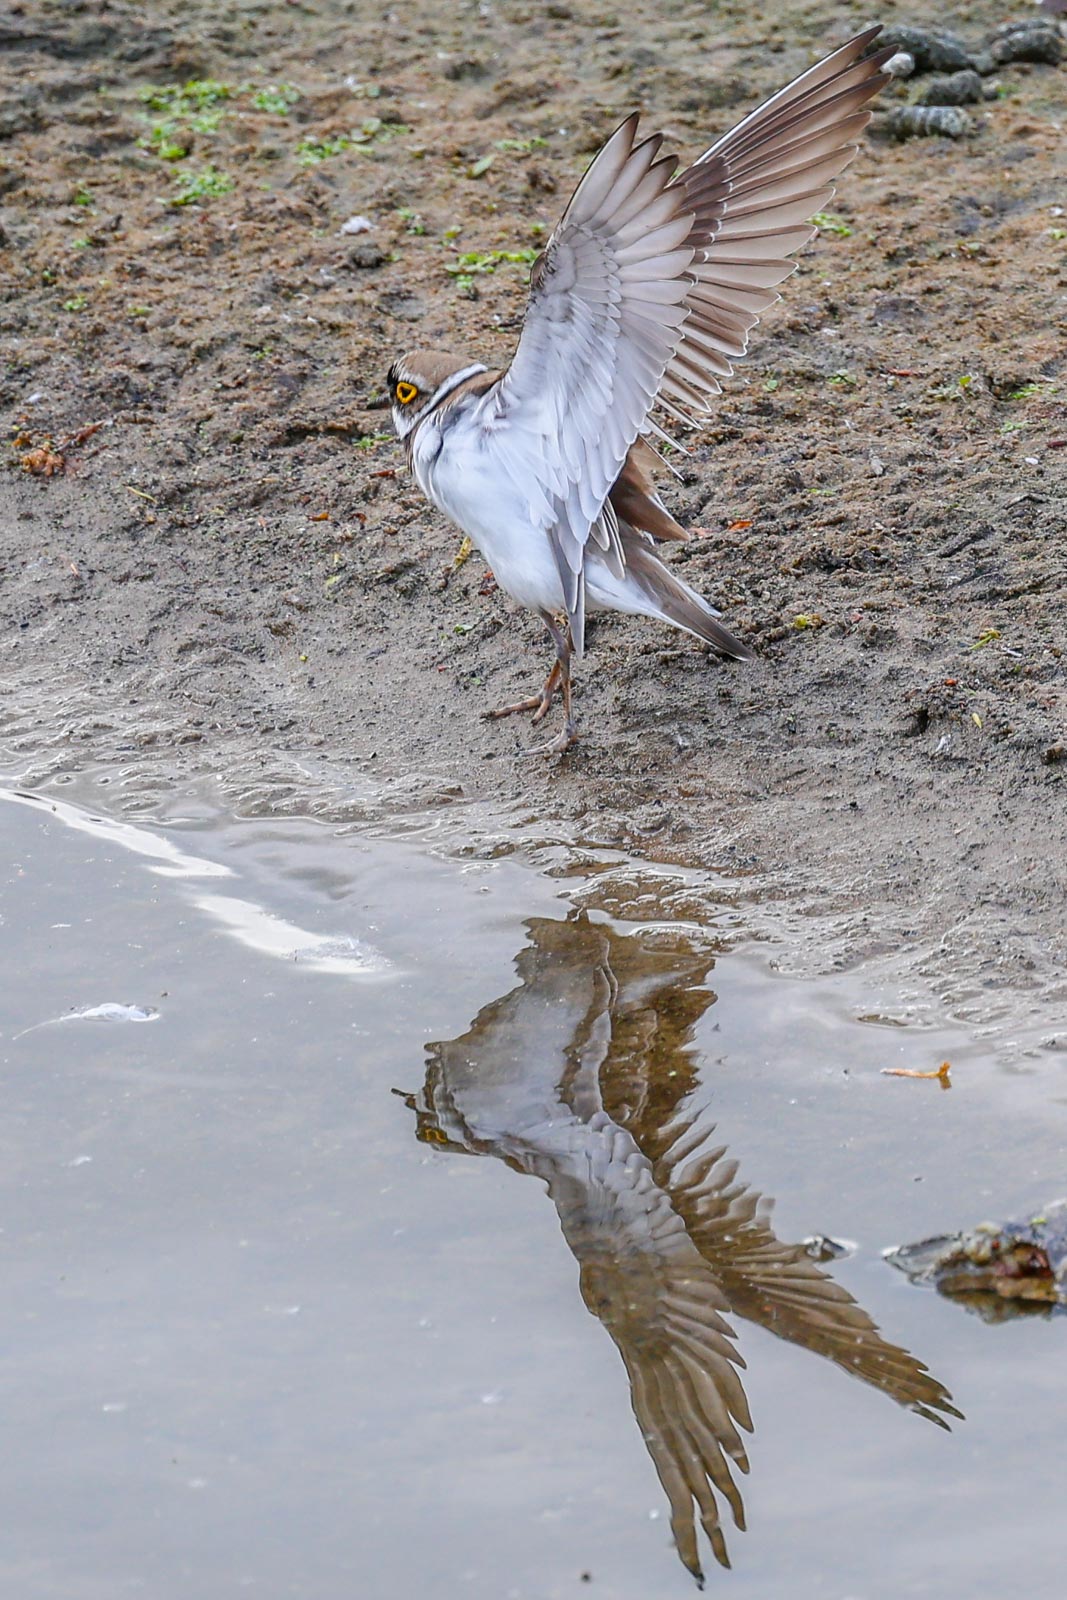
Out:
{"x": 282, "y": 1314}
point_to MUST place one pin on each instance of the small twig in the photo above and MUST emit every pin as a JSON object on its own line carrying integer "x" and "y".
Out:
{"x": 80, "y": 435}
{"x": 941, "y": 1073}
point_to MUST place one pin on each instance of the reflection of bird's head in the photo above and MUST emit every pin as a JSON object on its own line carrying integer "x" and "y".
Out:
{"x": 430, "y": 1124}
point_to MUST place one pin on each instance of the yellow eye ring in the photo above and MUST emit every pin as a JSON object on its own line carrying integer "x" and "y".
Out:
{"x": 405, "y": 393}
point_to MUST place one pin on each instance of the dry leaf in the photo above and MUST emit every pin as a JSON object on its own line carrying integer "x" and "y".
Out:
{"x": 42, "y": 462}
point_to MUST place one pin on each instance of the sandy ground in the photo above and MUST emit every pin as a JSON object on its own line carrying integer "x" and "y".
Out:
{"x": 233, "y": 576}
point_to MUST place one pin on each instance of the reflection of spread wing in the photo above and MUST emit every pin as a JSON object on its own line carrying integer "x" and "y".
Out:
{"x": 661, "y": 1304}
{"x": 524, "y": 1084}
{"x": 778, "y": 1285}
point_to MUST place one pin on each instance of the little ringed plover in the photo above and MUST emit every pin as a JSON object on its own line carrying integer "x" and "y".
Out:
{"x": 644, "y": 297}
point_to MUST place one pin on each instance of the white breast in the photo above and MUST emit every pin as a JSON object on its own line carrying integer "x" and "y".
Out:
{"x": 455, "y": 470}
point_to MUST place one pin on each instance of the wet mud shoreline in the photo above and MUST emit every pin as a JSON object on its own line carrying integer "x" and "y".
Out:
{"x": 212, "y": 563}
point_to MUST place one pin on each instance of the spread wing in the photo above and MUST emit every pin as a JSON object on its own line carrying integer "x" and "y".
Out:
{"x": 648, "y": 288}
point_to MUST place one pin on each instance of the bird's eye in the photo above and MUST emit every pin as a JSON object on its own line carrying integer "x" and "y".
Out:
{"x": 405, "y": 393}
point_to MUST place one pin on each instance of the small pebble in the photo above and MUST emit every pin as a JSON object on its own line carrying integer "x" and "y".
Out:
{"x": 820, "y": 1247}
{"x": 902, "y": 65}
{"x": 366, "y": 255}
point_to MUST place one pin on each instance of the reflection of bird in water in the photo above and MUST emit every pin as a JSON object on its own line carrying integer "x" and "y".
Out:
{"x": 576, "y": 1076}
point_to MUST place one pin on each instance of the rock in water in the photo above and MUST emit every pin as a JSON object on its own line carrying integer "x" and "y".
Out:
{"x": 1017, "y": 1261}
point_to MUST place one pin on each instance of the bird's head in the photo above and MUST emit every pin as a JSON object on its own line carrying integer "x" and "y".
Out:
{"x": 420, "y": 380}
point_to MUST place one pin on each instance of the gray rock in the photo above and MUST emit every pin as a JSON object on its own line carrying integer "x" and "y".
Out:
{"x": 1028, "y": 41}
{"x": 933, "y": 50}
{"x": 366, "y": 255}
{"x": 958, "y": 89}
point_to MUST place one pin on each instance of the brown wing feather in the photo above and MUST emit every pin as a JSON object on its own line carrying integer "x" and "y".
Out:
{"x": 634, "y": 496}
{"x": 752, "y": 195}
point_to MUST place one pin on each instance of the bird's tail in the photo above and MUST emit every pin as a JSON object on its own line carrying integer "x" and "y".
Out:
{"x": 674, "y": 601}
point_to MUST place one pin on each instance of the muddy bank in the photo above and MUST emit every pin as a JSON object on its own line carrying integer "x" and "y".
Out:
{"x": 214, "y": 564}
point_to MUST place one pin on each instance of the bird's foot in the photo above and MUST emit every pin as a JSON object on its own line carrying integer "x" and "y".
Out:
{"x": 536, "y": 702}
{"x": 539, "y": 704}
{"x": 556, "y": 747}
